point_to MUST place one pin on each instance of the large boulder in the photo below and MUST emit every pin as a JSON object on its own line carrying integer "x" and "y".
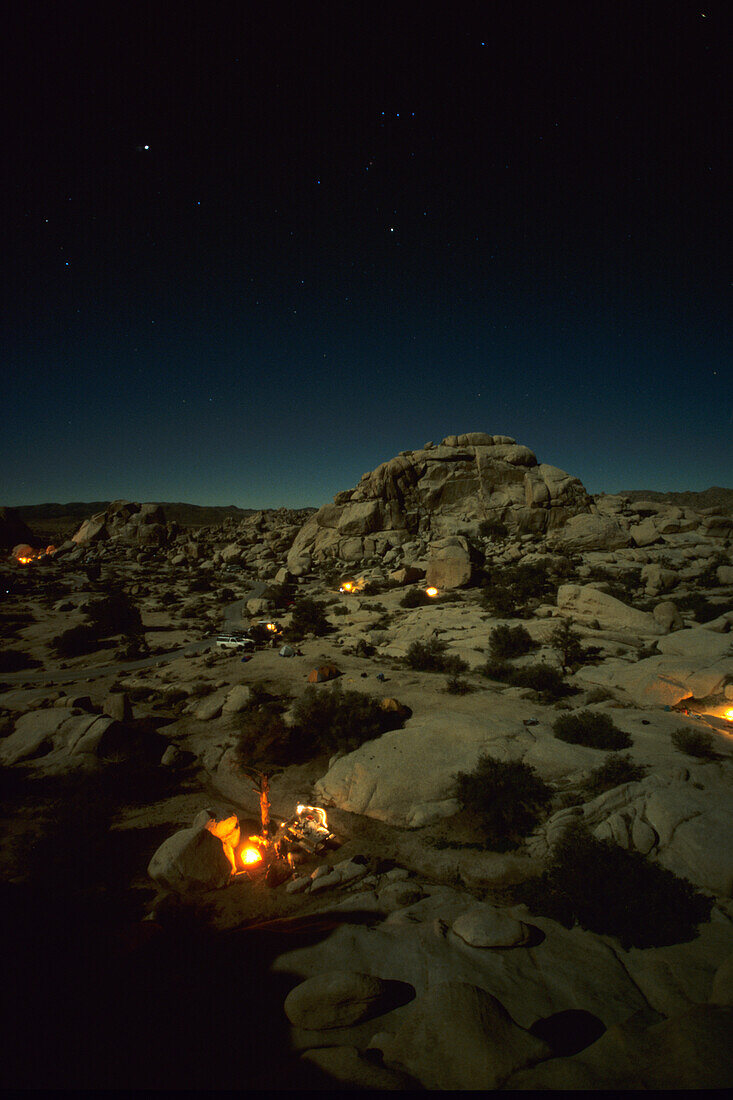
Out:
{"x": 659, "y": 681}
{"x": 32, "y": 734}
{"x": 459, "y": 1037}
{"x": 190, "y": 860}
{"x": 436, "y": 492}
{"x": 593, "y": 532}
{"x": 589, "y": 605}
{"x": 450, "y": 563}
{"x": 336, "y": 998}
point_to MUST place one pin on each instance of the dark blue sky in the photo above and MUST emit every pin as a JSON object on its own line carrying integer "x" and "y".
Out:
{"x": 253, "y": 253}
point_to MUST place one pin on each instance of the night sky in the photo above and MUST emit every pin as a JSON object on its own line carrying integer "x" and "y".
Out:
{"x": 254, "y": 251}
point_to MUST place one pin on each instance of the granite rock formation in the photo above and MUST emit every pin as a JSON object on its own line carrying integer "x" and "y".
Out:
{"x": 438, "y": 492}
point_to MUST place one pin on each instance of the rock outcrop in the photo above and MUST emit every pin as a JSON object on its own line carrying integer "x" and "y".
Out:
{"x": 441, "y": 491}
{"x": 126, "y": 522}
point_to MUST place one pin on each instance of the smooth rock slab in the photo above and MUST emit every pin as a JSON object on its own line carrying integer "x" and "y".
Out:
{"x": 460, "y": 1037}
{"x": 347, "y": 1064}
{"x": 489, "y": 927}
{"x": 336, "y": 998}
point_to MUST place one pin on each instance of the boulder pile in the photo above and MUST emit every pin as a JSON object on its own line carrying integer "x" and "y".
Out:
{"x": 441, "y": 491}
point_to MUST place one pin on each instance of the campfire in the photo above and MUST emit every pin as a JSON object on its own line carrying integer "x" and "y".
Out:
{"x": 273, "y": 854}
{"x": 25, "y": 555}
{"x": 350, "y": 588}
{"x": 432, "y": 592}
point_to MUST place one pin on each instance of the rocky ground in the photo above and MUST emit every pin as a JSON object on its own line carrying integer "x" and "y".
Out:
{"x": 411, "y": 955}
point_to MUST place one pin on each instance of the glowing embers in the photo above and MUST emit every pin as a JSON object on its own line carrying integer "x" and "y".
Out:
{"x": 432, "y": 592}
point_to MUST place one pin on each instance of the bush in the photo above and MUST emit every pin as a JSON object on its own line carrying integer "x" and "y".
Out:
{"x": 612, "y": 892}
{"x": 613, "y": 772}
{"x": 595, "y": 731}
{"x": 12, "y": 660}
{"x": 695, "y": 743}
{"x": 416, "y": 597}
{"x": 309, "y": 617}
{"x": 76, "y": 641}
{"x": 431, "y": 656}
{"x": 336, "y": 720}
{"x": 509, "y": 641}
{"x": 455, "y": 686}
{"x": 542, "y": 678}
{"x": 115, "y": 614}
{"x": 507, "y": 797}
{"x": 510, "y": 588}
{"x": 567, "y": 642}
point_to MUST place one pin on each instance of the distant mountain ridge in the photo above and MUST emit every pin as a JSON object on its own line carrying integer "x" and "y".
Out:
{"x": 67, "y": 517}
{"x": 714, "y": 497}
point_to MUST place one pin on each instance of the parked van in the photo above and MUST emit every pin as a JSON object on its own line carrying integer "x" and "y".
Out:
{"x": 234, "y": 641}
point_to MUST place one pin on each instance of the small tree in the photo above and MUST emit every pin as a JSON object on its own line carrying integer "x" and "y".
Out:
{"x": 589, "y": 728}
{"x": 506, "y": 642}
{"x": 506, "y": 796}
{"x": 309, "y": 617}
{"x": 566, "y": 641}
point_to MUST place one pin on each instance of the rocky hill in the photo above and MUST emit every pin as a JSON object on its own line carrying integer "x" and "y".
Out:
{"x": 439, "y": 491}
{"x": 63, "y": 519}
{"x": 715, "y": 497}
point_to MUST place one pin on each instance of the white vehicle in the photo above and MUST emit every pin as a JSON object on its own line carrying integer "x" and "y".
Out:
{"x": 234, "y": 641}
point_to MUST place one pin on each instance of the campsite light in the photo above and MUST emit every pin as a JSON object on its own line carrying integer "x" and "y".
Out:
{"x": 431, "y": 591}
{"x": 347, "y": 586}
{"x": 271, "y": 627}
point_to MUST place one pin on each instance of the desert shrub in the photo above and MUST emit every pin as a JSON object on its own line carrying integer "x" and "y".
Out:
{"x": 614, "y": 771}
{"x": 337, "y": 720}
{"x": 115, "y": 614}
{"x": 455, "y": 686}
{"x": 589, "y": 728}
{"x": 416, "y": 597}
{"x": 199, "y": 584}
{"x": 542, "y": 678}
{"x": 614, "y": 892}
{"x": 506, "y": 796}
{"x": 309, "y": 617}
{"x": 598, "y": 695}
{"x": 697, "y": 743}
{"x": 699, "y": 606}
{"x": 510, "y": 588}
{"x": 492, "y": 529}
{"x": 76, "y": 641}
{"x": 566, "y": 641}
{"x": 431, "y": 656}
{"x": 340, "y": 610}
{"x": 13, "y": 660}
{"x": 280, "y": 595}
{"x": 506, "y": 642}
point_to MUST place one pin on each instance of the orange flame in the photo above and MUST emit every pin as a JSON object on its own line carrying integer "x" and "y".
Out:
{"x": 250, "y": 856}
{"x": 431, "y": 591}
{"x": 728, "y": 714}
